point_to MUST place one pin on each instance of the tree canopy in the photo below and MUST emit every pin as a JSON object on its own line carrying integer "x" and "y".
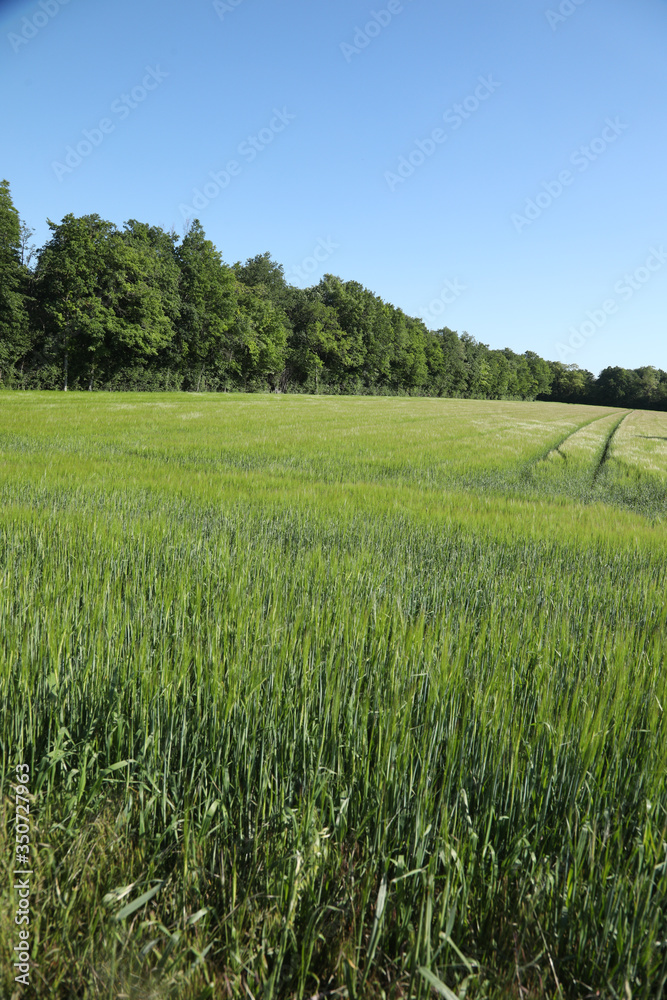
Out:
{"x": 137, "y": 308}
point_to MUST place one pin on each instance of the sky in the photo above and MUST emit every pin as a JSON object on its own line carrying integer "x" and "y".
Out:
{"x": 491, "y": 166}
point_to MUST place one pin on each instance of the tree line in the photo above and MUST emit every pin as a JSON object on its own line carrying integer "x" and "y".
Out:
{"x": 139, "y": 308}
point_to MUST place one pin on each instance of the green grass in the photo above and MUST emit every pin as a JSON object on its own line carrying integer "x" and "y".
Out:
{"x": 369, "y": 691}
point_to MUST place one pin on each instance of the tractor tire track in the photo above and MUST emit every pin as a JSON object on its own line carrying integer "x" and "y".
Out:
{"x": 557, "y": 447}
{"x": 604, "y": 457}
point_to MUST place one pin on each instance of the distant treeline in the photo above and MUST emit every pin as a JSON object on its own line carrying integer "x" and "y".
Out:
{"x": 140, "y": 308}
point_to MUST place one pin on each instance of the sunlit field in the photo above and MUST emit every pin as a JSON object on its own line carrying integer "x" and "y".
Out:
{"x": 641, "y": 444}
{"x": 348, "y": 697}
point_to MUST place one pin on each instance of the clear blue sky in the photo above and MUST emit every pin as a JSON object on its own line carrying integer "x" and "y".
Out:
{"x": 182, "y": 87}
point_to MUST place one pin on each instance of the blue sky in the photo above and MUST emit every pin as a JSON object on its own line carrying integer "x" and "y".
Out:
{"x": 491, "y": 166}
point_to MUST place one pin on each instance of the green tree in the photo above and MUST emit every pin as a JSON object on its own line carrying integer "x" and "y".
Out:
{"x": 258, "y": 341}
{"x": 570, "y": 384}
{"x": 68, "y": 294}
{"x": 541, "y": 374}
{"x": 14, "y": 329}
{"x": 160, "y": 264}
{"x": 410, "y": 354}
{"x": 316, "y": 348}
{"x": 445, "y": 355}
{"x": 478, "y": 369}
{"x": 649, "y": 385}
{"x": 208, "y": 308}
{"x": 150, "y": 257}
{"x": 100, "y": 302}
{"x": 264, "y": 275}
{"x": 503, "y": 374}
{"x": 618, "y": 387}
{"x": 345, "y": 298}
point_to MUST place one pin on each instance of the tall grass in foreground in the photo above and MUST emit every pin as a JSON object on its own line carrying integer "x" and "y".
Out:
{"x": 362, "y": 754}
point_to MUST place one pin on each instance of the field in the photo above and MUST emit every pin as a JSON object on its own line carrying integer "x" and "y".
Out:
{"x": 342, "y": 697}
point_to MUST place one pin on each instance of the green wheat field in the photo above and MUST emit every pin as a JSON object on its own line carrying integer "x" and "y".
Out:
{"x": 334, "y": 697}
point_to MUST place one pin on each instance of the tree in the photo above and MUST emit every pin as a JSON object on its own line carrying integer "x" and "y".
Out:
{"x": 27, "y": 248}
{"x": 258, "y": 342}
{"x": 345, "y": 298}
{"x": 541, "y": 374}
{"x": 100, "y": 303}
{"x": 109, "y": 307}
{"x": 208, "y": 307}
{"x": 446, "y": 363}
{"x": 503, "y": 374}
{"x": 160, "y": 262}
{"x": 478, "y": 369}
{"x": 649, "y": 385}
{"x": 618, "y": 387}
{"x": 265, "y": 275}
{"x": 150, "y": 257}
{"x": 14, "y": 331}
{"x": 68, "y": 295}
{"x": 570, "y": 384}
{"x": 410, "y": 362}
{"x": 316, "y": 350}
